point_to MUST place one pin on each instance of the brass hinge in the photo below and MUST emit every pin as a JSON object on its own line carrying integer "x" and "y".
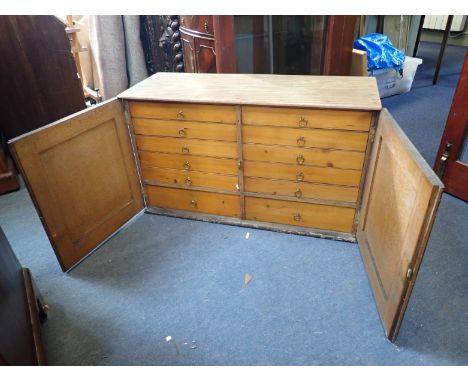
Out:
{"x": 372, "y": 135}
{"x": 357, "y": 218}
{"x": 443, "y": 161}
{"x": 409, "y": 273}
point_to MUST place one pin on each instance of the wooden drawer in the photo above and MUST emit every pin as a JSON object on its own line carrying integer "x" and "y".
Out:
{"x": 318, "y": 216}
{"x": 190, "y": 178}
{"x": 311, "y": 118}
{"x": 183, "y": 111}
{"x": 301, "y": 189}
{"x": 187, "y": 146}
{"x": 320, "y": 138}
{"x": 328, "y": 175}
{"x": 304, "y": 156}
{"x": 189, "y": 162}
{"x": 194, "y": 201}
{"x": 185, "y": 129}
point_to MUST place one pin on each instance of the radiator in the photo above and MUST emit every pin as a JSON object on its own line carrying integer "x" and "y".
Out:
{"x": 439, "y": 22}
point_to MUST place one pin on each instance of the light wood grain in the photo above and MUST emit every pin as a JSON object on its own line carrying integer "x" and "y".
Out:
{"x": 206, "y": 148}
{"x": 310, "y": 118}
{"x": 195, "y": 201}
{"x": 185, "y": 129}
{"x": 306, "y": 156}
{"x": 399, "y": 204}
{"x": 191, "y": 178}
{"x": 240, "y": 157}
{"x": 365, "y": 167}
{"x": 318, "y": 138}
{"x": 358, "y": 93}
{"x": 358, "y": 63}
{"x": 189, "y": 162}
{"x": 301, "y": 189}
{"x": 328, "y": 175}
{"x": 82, "y": 177}
{"x": 300, "y": 214}
{"x": 184, "y": 111}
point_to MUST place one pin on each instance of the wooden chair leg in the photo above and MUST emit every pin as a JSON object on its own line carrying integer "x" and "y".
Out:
{"x": 442, "y": 49}
{"x": 418, "y": 37}
{"x": 380, "y": 24}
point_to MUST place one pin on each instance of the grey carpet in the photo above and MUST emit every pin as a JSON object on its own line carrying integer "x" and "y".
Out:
{"x": 309, "y": 302}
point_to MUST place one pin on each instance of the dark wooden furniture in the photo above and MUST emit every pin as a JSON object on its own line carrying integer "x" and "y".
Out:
{"x": 309, "y": 155}
{"x": 197, "y": 36}
{"x": 162, "y": 47}
{"x": 8, "y": 175}
{"x": 20, "y": 312}
{"x": 443, "y": 44}
{"x": 225, "y": 46}
{"x": 339, "y": 45}
{"x": 209, "y": 44}
{"x": 450, "y": 166}
{"x": 39, "y": 78}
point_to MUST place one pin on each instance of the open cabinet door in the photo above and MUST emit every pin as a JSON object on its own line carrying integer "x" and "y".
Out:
{"x": 400, "y": 199}
{"x": 81, "y": 174}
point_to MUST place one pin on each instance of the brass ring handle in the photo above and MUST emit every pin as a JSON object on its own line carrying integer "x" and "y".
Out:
{"x": 188, "y": 181}
{"x": 187, "y": 165}
{"x": 300, "y": 159}
{"x": 298, "y": 193}
{"x": 183, "y": 132}
{"x": 297, "y": 217}
{"x": 185, "y": 149}
{"x": 302, "y": 121}
{"x": 301, "y": 141}
{"x": 180, "y": 115}
{"x": 300, "y": 176}
{"x": 193, "y": 203}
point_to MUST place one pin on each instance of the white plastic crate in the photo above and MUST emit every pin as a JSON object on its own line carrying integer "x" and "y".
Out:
{"x": 391, "y": 83}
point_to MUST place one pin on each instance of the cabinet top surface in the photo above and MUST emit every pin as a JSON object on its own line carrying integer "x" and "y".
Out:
{"x": 330, "y": 92}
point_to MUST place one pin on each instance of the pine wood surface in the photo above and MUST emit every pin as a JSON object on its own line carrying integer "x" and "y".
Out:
{"x": 328, "y": 92}
{"x": 198, "y": 201}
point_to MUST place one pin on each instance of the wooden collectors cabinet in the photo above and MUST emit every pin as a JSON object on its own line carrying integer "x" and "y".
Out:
{"x": 300, "y": 154}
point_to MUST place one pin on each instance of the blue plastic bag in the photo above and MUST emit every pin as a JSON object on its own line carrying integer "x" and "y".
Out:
{"x": 381, "y": 54}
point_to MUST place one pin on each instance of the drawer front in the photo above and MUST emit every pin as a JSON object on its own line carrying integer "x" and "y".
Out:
{"x": 301, "y": 190}
{"x": 311, "y": 118}
{"x": 187, "y": 146}
{"x": 328, "y": 175}
{"x": 188, "y": 162}
{"x": 304, "y": 156}
{"x": 183, "y": 111}
{"x": 327, "y": 139}
{"x": 190, "y": 178}
{"x": 185, "y": 129}
{"x": 195, "y": 201}
{"x": 318, "y": 216}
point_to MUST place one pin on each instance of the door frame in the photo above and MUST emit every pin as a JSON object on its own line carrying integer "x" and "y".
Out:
{"x": 452, "y": 171}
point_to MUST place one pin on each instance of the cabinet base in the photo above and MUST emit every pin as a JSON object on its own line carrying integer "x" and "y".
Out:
{"x": 323, "y": 234}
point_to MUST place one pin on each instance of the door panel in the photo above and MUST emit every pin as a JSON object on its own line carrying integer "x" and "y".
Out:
{"x": 81, "y": 174}
{"x": 400, "y": 199}
{"x": 452, "y": 164}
